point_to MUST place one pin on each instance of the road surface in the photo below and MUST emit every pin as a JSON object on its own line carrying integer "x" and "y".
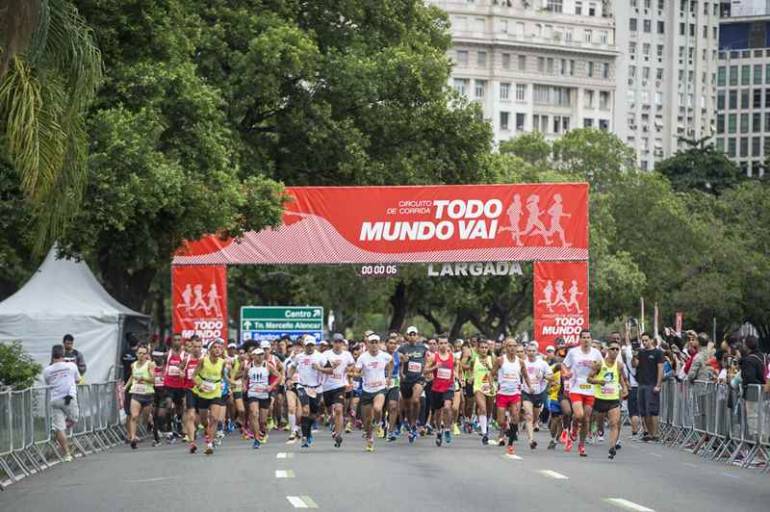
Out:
{"x": 464, "y": 476}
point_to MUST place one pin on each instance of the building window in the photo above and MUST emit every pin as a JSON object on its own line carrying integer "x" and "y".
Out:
{"x": 505, "y": 91}
{"x": 520, "y": 122}
{"x": 744, "y": 123}
{"x": 506, "y": 61}
{"x": 461, "y": 85}
{"x": 721, "y": 100}
{"x": 606, "y": 70}
{"x": 588, "y": 99}
{"x": 604, "y": 124}
{"x": 733, "y": 75}
{"x": 481, "y": 86}
{"x": 504, "y": 116}
{"x": 521, "y": 92}
{"x": 733, "y": 102}
{"x": 579, "y": 8}
{"x": 720, "y": 123}
{"x": 661, "y": 27}
{"x": 482, "y": 59}
{"x": 604, "y": 100}
{"x": 522, "y": 59}
{"x": 541, "y": 64}
{"x": 757, "y": 98}
{"x": 731, "y": 147}
{"x": 632, "y": 24}
{"x": 588, "y": 35}
{"x": 745, "y": 75}
{"x": 588, "y": 122}
{"x": 647, "y": 24}
{"x": 731, "y": 123}
{"x": 757, "y": 74}
{"x": 744, "y": 146}
{"x": 744, "y": 98}
{"x": 549, "y": 65}
{"x": 722, "y": 75}
{"x": 555, "y": 5}
{"x": 590, "y": 69}
{"x": 756, "y": 122}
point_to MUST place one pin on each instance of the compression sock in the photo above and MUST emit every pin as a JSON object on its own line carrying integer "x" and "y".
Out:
{"x": 483, "y": 424}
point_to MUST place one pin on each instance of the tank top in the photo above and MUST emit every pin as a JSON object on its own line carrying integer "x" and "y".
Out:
{"x": 208, "y": 383}
{"x": 481, "y": 380}
{"x": 395, "y": 375}
{"x": 273, "y": 361}
{"x": 258, "y": 381}
{"x": 173, "y": 377}
{"x": 142, "y": 372}
{"x": 443, "y": 375}
{"x": 159, "y": 373}
{"x": 236, "y": 367}
{"x": 509, "y": 377}
{"x": 610, "y": 387}
{"x": 189, "y": 371}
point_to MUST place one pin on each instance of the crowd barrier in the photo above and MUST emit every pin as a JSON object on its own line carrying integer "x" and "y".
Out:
{"x": 27, "y": 445}
{"x": 717, "y": 421}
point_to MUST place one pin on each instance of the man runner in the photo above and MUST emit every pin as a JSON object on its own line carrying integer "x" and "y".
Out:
{"x": 208, "y": 378}
{"x": 308, "y": 366}
{"x": 412, "y": 364}
{"x": 535, "y": 393}
{"x": 480, "y": 366}
{"x": 577, "y": 366}
{"x": 393, "y": 397}
{"x": 337, "y": 363}
{"x": 258, "y": 390}
{"x": 510, "y": 371}
{"x": 375, "y": 367}
{"x": 174, "y": 382}
{"x": 442, "y": 366}
{"x": 610, "y": 386}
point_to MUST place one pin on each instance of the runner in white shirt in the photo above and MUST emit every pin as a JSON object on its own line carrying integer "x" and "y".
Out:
{"x": 375, "y": 368}
{"x": 534, "y": 395}
{"x": 578, "y": 364}
{"x": 308, "y": 367}
{"x": 258, "y": 390}
{"x": 338, "y": 362}
{"x": 510, "y": 371}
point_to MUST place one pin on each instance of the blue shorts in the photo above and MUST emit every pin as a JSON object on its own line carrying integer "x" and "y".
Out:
{"x": 554, "y": 406}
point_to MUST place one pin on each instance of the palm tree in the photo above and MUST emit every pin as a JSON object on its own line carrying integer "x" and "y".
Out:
{"x": 50, "y": 69}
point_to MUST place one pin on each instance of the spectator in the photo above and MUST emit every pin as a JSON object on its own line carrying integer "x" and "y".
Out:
{"x": 73, "y": 356}
{"x": 691, "y": 349}
{"x": 649, "y": 375}
{"x": 700, "y": 369}
{"x": 63, "y": 377}
{"x": 753, "y": 364}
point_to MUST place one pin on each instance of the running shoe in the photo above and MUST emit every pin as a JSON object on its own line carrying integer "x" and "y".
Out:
{"x": 338, "y": 441}
{"x": 510, "y": 450}
{"x": 68, "y": 458}
{"x": 293, "y": 437}
{"x": 439, "y": 439}
{"x": 600, "y": 438}
{"x": 412, "y": 436}
{"x": 552, "y": 445}
{"x": 348, "y": 427}
{"x": 429, "y": 429}
{"x": 310, "y": 439}
{"x": 447, "y": 437}
{"x": 286, "y": 427}
{"x": 455, "y": 430}
{"x": 485, "y": 440}
{"x": 270, "y": 424}
{"x": 256, "y": 444}
{"x": 391, "y": 437}
{"x": 613, "y": 452}
{"x": 582, "y": 450}
{"x": 617, "y": 446}
{"x": 209, "y": 449}
{"x": 380, "y": 432}
{"x": 370, "y": 444}
{"x": 563, "y": 438}
{"x": 193, "y": 448}
{"x": 501, "y": 441}
{"x": 133, "y": 444}
{"x": 568, "y": 445}
{"x": 264, "y": 437}
{"x": 532, "y": 444}
{"x": 304, "y": 444}
{"x": 246, "y": 436}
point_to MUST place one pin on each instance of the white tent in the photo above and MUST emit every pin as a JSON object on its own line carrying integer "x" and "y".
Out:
{"x": 64, "y": 297}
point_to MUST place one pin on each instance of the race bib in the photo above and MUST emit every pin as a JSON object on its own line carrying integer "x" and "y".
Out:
{"x": 207, "y": 386}
{"x": 139, "y": 389}
{"x": 375, "y": 384}
{"x": 159, "y": 380}
{"x": 190, "y": 373}
{"x": 444, "y": 373}
{"x": 414, "y": 367}
{"x": 174, "y": 371}
{"x": 509, "y": 377}
{"x": 585, "y": 386}
{"x": 486, "y": 388}
{"x": 609, "y": 390}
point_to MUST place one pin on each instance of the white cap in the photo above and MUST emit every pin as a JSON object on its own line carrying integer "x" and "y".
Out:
{"x": 323, "y": 342}
{"x": 258, "y": 351}
{"x": 373, "y": 337}
{"x": 411, "y": 329}
{"x": 232, "y": 345}
{"x": 550, "y": 348}
{"x": 310, "y": 339}
{"x": 534, "y": 344}
{"x": 265, "y": 344}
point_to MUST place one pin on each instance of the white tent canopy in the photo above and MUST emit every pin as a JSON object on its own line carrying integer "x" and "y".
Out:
{"x": 64, "y": 297}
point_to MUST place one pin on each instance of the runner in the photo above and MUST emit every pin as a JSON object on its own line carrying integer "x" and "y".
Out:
{"x": 610, "y": 386}
{"x": 355, "y": 392}
{"x": 189, "y": 367}
{"x": 160, "y": 416}
{"x": 258, "y": 394}
{"x": 577, "y": 366}
{"x": 535, "y": 393}
{"x": 469, "y": 400}
{"x": 293, "y": 407}
{"x": 458, "y": 386}
{"x": 141, "y": 385}
{"x": 237, "y": 410}
{"x": 510, "y": 371}
{"x": 174, "y": 382}
{"x": 555, "y": 425}
{"x": 338, "y": 362}
{"x": 393, "y": 397}
{"x": 412, "y": 364}
{"x": 276, "y": 363}
{"x": 480, "y": 366}
{"x": 442, "y": 366}
{"x": 375, "y": 368}
{"x": 308, "y": 367}
{"x": 208, "y": 377}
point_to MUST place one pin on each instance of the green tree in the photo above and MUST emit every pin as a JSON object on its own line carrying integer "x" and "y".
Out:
{"x": 530, "y": 147}
{"x": 50, "y": 69}
{"x": 17, "y": 368}
{"x": 700, "y": 167}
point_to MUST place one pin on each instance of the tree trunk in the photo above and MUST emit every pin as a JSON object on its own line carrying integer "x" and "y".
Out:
{"x": 428, "y": 315}
{"x": 457, "y": 325}
{"x": 399, "y": 303}
{"x": 129, "y": 288}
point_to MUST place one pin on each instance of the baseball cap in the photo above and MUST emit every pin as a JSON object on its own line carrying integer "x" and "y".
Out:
{"x": 411, "y": 330}
{"x": 338, "y": 337}
{"x": 258, "y": 351}
{"x": 373, "y": 337}
{"x": 217, "y": 341}
{"x": 368, "y": 333}
{"x": 323, "y": 342}
{"x": 232, "y": 345}
{"x": 265, "y": 344}
{"x": 310, "y": 339}
{"x": 550, "y": 348}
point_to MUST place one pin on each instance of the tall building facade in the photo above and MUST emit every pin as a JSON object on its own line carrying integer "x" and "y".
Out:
{"x": 671, "y": 58}
{"x": 743, "y": 84}
{"x": 537, "y": 65}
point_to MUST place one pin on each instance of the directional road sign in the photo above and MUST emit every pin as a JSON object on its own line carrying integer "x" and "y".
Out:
{"x": 272, "y": 322}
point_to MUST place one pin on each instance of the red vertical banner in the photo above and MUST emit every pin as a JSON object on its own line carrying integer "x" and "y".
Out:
{"x": 199, "y": 300}
{"x": 560, "y": 301}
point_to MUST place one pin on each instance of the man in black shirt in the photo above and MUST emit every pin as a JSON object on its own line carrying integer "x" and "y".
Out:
{"x": 73, "y": 356}
{"x": 753, "y": 368}
{"x": 649, "y": 374}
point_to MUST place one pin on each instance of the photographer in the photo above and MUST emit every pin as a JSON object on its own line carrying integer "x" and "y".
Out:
{"x": 63, "y": 377}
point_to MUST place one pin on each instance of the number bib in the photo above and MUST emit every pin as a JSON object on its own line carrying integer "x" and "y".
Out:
{"x": 414, "y": 367}
{"x": 444, "y": 373}
{"x": 207, "y": 386}
{"x": 174, "y": 371}
{"x": 139, "y": 389}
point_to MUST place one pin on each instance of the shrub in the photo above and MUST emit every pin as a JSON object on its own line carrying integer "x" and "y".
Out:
{"x": 17, "y": 368}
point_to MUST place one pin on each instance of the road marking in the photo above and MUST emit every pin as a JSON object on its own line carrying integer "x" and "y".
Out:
{"x": 653, "y": 454}
{"x": 284, "y": 473}
{"x": 729, "y": 475}
{"x": 144, "y": 480}
{"x": 302, "y": 502}
{"x": 284, "y": 455}
{"x": 512, "y": 457}
{"x": 689, "y": 464}
{"x": 553, "y": 474}
{"x": 628, "y": 505}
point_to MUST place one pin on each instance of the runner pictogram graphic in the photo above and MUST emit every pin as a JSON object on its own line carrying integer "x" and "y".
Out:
{"x": 535, "y": 225}
{"x": 554, "y": 296}
{"x": 574, "y": 293}
{"x": 514, "y": 216}
{"x": 556, "y": 212}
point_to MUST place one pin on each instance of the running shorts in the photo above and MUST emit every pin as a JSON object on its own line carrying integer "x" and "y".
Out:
{"x": 469, "y": 389}
{"x": 505, "y": 401}
{"x": 368, "y": 398}
{"x": 144, "y": 400}
{"x": 586, "y": 400}
{"x": 237, "y": 395}
{"x": 189, "y": 398}
{"x": 536, "y": 400}
{"x": 407, "y": 388}
{"x": 393, "y": 395}
{"x": 314, "y": 403}
{"x": 264, "y": 403}
{"x": 554, "y": 406}
{"x": 605, "y": 405}
{"x": 202, "y": 404}
{"x": 437, "y": 398}
{"x": 335, "y": 396}
{"x": 648, "y": 401}
{"x": 161, "y": 398}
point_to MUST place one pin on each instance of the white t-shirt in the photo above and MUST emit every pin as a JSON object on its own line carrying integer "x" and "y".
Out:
{"x": 629, "y": 368}
{"x": 580, "y": 365}
{"x": 374, "y": 370}
{"x": 539, "y": 372}
{"x": 509, "y": 377}
{"x": 258, "y": 377}
{"x": 63, "y": 378}
{"x": 307, "y": 375}
{"x": 339, "y": 378}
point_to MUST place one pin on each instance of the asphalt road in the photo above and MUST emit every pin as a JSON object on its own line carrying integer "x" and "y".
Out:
{"x": 421, "y": 477}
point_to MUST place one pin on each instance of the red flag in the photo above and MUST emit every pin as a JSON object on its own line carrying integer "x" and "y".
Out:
{"x": 199, "y": 301}
{"x": 560, "y": 301}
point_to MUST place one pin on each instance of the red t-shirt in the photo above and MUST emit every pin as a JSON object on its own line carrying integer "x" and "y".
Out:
{"x": 192, "y": 364}
{"x": 173, "y": 376}
{"x": 443, "y": 375}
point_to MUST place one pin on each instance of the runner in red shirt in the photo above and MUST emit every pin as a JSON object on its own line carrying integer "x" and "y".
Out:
{"x": 189, "y": 365}
{"x": 174, "y": 382}
{"x": 442, "y": 366}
